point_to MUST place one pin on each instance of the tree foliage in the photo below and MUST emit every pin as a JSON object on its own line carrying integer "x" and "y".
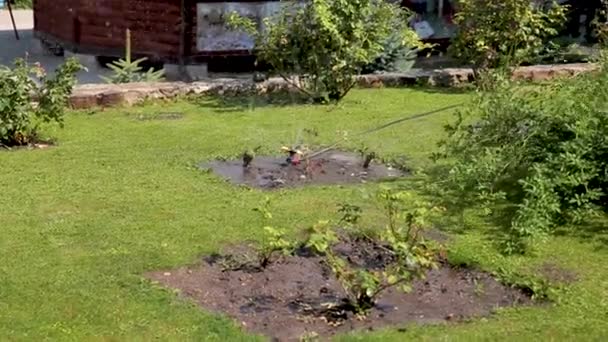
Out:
{"x": 502, "y": 33}
{"x": 542, "y": 153}
{"x": 319, "y": 46}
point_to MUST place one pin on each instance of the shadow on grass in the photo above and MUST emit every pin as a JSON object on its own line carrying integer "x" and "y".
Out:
{"x": 238, "y": 103}
{"x": 465, "y": 89}
{"x": 594, "y": 231}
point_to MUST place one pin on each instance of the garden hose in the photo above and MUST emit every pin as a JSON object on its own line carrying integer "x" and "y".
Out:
{"x": 386, "y": 125}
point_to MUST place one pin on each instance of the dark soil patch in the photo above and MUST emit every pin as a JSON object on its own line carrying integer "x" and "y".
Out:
{"x": 556, "y": 274}
{"x": 292, "y": 297}
{"x": 333, "y": 167}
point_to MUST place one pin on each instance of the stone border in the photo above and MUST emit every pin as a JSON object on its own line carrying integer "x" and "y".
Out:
{"x": 108, "y": 95}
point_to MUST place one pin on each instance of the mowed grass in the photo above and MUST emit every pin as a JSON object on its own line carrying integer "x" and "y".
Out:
{"x": 82, "y": 222}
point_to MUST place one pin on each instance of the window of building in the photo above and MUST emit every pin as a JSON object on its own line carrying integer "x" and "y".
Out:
{"x": 434, "y": 18}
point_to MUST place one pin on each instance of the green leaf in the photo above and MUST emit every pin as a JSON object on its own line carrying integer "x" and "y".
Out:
{"x": 407, "y": 288}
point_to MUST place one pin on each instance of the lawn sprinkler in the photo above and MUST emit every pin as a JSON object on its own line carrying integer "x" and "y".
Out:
{"x": 295, "y": 155}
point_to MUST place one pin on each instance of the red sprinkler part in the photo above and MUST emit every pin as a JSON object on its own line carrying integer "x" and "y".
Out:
{"x": 295, "y": 156}
{"x": 295, "y": 159}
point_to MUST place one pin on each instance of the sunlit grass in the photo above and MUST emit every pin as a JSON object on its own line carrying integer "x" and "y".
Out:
{"x": 82, "y": 221}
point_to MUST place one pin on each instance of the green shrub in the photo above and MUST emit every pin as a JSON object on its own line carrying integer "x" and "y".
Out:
{"x": 401, "y": 238}
{"x": 274, "y": 240}
{"x": 320, "y": 46}
{"x": 493, "y": 33}
{"x": 127, "y": 70}
{"x": 20, "y": 118}
{"x": 539, "y": 152}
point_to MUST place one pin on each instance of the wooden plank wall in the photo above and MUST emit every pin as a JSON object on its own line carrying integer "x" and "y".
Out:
{"x": 101, "y": 24}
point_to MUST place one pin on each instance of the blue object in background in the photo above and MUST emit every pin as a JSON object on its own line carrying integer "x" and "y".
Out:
{"x": 1, "y": 3}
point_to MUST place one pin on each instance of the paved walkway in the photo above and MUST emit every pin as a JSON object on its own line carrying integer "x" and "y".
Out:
{"x": 10, "y": 48}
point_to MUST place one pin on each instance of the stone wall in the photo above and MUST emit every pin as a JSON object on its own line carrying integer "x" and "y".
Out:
{"x": 106, "y": 95}
{"x": 97, "y": 27}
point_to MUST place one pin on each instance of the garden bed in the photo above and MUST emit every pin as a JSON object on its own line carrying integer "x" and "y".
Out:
{"x": 332, "y": 167}
{"x": 298, "y": 295}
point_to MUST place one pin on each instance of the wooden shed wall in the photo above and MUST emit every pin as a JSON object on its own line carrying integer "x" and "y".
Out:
{"x": 98, "y": 26}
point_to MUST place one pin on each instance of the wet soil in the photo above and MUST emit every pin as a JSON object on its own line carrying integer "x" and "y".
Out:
{"x": 290, "y": 298}
{"x": 159, "y": 116}
{"x": 333, "y": 167}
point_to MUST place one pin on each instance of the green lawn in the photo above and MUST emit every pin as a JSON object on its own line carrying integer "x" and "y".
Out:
{"x": 81, "y": 222}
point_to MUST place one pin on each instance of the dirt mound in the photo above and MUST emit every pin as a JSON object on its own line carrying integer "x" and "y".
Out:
{"x": 298, "y": 295}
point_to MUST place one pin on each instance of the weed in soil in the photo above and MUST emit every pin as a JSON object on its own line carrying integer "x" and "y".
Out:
{"x": 333, "y": 167}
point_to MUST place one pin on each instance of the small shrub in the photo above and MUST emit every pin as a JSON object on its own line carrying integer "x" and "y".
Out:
{"x": 412, "y": 257}
{"x": 320, "y": 46}
{"x": 274, "y": 238}
{"x": 20, "y": 118}
{"x": 539, "y": 155}
{"x": 127, "y": 70}
{"x": 502, "y": 33}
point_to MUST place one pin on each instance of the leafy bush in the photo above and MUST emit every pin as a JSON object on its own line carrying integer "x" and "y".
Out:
{"x": 541, "y": 153}
{"x": 20, "y": 118}
{"x": 495, "y": 33}
{"x": 600, "y": 23}
{"x": 321, "y": 45}
{"x": 402, "y": 238}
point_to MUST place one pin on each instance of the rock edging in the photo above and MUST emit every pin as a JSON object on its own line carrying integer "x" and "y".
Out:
{"x": 108, "y": 95}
